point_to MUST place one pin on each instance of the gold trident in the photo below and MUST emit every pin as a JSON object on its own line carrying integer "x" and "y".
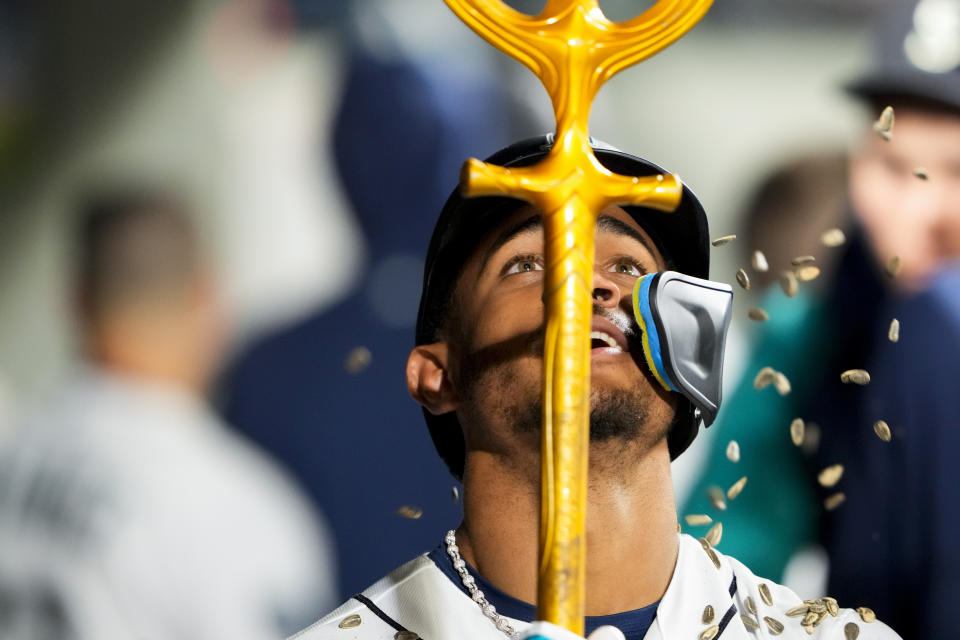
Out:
{"x": 573, "y": 49}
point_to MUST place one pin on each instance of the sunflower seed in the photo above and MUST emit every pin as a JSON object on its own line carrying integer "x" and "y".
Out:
{"x": 802, "y": 260}
{"x": 816, "y": 606}
{"x": 796, "y": 612}
{"x": 796, "y": 431}
{"x": 405, "y": 635}
{"x": 830, "y": 475}
{"x": 807, "y": 272}
{"x": 851, "y": 631}
{"x": 765, "y": 593}
{"x": 810, "y": 618}
{"x": 736, "y": 488}
{"x": 743, "y": 280}
{"x": 714, "y": 534}
{"x": 833, "y": 501}
{"x": 749, "y": 623}
{"x": 788, "y": 282}
{"x": 856, "y": 376}
{"x": 781, "y": 383}
{"x": 893, "y": 266}
{"x": 408, "y": 511}
{"x": 866, "y": 614}
{"x": 759, "y": 262}
{"x": 455, "y": 494}
{"x": 709, "y": 633}
{"x": 893, "y": 335}
{"x": 716, "y": 498}
{"x": 884, "y": 124}
{"x": 350, "y": 622}
{"x": 733, "y": 451}
{"x": 722, "y": 240}
{"x": 833, "y": 238}
{"x": 764, "y": 378}
{"x": 757, "y": 314}
{"x": 832, "y": 607}
{"x": 357, "y": 360}
{"x": 697, "y": 519}
{"x": 921, "y": 173}
{"x": 708, "y": 615}
{"x": 751, "y": 607}
{"x": 882, "y": 429}
{"x": 710, "y": 552}
{"x": 775, "y": 626}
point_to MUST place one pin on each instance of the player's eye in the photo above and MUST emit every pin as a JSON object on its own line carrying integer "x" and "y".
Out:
{"x": 626, "y": 266}
{"x": 523, "y": 264}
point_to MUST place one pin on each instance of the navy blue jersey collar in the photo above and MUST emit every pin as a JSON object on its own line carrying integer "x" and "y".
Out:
{"x": 634, "y": 624}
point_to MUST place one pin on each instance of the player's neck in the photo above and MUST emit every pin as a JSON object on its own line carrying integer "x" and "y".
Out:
{"x": 631, "y": 529}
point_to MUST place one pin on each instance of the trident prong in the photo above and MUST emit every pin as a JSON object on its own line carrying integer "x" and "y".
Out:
{"x": 574, "y": 49}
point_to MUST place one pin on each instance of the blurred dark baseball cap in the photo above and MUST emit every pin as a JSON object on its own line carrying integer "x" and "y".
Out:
{"x": 916, "y": 56}
{"x": 682, "y": 236}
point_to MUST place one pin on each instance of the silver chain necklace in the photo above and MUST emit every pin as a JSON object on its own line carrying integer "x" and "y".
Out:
{"x": 471, "y": 584}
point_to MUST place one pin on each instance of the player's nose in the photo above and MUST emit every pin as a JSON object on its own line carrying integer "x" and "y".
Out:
{"x": 606, "y": 293}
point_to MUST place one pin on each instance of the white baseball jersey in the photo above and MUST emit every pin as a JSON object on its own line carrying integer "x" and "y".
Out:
{"x": 128, "y": 511}
{"x": 420, "y": 598}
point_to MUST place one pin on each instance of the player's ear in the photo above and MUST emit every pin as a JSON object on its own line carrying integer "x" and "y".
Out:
{"x": 428, "y": 378}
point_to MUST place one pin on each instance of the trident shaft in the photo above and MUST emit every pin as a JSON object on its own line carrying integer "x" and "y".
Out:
{"x": 573, "y": 49}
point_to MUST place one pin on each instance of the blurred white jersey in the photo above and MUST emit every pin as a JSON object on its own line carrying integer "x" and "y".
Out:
{"x": 128, "y": 511}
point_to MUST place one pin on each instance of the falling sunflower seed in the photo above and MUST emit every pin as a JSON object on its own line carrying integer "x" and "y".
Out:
{"x": 893, "y": 266}
{"x": 833, "y": 238}
{"x": 765, "y": 593}
{"x": 743, "y": 280}
{"x": 882, "y": 429}
{"x": 749, "y": 622}
{"x": 797, "y": 612}
{"x": 757, "y": 314}
{"x": 893, "y": 334}
{"x": 722, "y": 240}
{"x": 357, "y": 360}
{"x": 764, "y": 378}
{"x": 802, "y": 260}
{"x": 851, "y": 631}
{"x": 788, "y": 282}
{"x": 407, "y": 511}
{"x": 716, "y": 498}
{"x": 884, "y": 124}
{"x": 708, "y": 615}
{"x": 855, "y": 376}
{"x": 807, "y": 272}
{"x": 733, "y": 451}
{"x": 759, "y": 262}
{"x": 830, "y": 475}
{"x": 781, "y": 383}
{"x": 455, "y": 494}
{"x": 796, "y": 431}
{"x": 921, "y": 173}
{"x": 736, "y": 488}
{"x": 834, "y": 501}
{"x": 775, "y": 626}
{"x": 751, "y": 606}
{"x": 697, "y": 519}
{"x": 709, "y": 633}
{"x": 714, "y": 534}
{"x": 866, "y": 614}
{"x": 350, "y": 622}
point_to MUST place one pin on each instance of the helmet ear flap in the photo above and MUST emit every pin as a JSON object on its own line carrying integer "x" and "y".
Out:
{"x": 684, "y": 322}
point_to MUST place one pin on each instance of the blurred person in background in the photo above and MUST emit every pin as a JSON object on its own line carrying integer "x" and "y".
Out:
{"x": 890, "y": 543}
{"x": 128, "y": 509}
{"x": 326, "y": 394}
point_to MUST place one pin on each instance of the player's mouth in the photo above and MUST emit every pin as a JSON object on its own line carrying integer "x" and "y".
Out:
{"x": 606, "y": 338}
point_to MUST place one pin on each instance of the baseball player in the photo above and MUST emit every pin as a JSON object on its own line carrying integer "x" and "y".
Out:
{"x": 657, "y": 335}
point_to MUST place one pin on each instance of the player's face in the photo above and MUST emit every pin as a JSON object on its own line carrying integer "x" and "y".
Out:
{"x": 904, "y": 215}
{"x": 496, "y": 339}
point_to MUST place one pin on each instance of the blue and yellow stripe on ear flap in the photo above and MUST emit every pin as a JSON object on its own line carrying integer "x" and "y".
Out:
{"x": 648, "y": 328}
